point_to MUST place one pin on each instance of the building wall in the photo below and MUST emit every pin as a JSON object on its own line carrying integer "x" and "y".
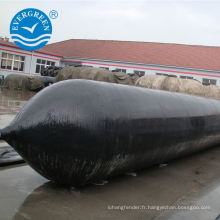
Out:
{"x": 149, "y": 69}
{"x": 29, "y": 62}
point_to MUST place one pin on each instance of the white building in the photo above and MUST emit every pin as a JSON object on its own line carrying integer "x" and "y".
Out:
{"x": 186, "y": 61}
{"x": 17, "y": 60}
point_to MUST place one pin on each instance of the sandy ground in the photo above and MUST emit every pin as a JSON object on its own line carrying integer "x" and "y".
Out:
{"x": 160, "y": 192}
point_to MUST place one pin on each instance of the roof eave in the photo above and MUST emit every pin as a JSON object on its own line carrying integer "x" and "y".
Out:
{"x": 36, "y": 51}
{"x": 142, "y": 64}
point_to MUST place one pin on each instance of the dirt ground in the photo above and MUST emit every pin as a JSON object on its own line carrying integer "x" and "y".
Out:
{"x": 188, "y": 188}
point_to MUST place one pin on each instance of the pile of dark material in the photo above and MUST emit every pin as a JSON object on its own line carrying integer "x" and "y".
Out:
{"x": 9, "y": 156}
{"x": 189, "y": 86}
{"x": 26, "y": 83}
{"x": 54, "y": 74}
{"x": 92, "y": 73}
{"x": 22, "y": 83}
{"x": 51, "y": 71}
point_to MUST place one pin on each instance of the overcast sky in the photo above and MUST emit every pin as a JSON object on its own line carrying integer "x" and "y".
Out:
{"x": 185, "y": 22}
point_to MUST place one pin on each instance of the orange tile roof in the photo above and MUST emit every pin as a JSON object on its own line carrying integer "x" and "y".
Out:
{"x": 199, "y": 57}
{"x": 180, "y": 55}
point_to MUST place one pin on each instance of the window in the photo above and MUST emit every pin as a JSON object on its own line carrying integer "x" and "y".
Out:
{"x": 104, "y": 67}
{"x": 171, "y": 75}
{"x": 165, "y": 74}
{"x": 209, "y": 81}
{"x": 12, "y": 62}
{"x": 42, "y": 64}
{"x": 119, "y": 70}
{"x": 87, "y": 66}
{"x": 186, "y": 77}
{"x": 161, "y": 74}
{"x": 139, "y": 73}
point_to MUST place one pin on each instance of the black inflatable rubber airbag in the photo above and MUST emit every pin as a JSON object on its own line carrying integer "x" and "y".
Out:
{"x": 78, "y": 131}
{"x": 8, "y": 156}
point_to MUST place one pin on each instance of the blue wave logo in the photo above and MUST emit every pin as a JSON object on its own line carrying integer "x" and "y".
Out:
{"x": 30, "y": 29}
